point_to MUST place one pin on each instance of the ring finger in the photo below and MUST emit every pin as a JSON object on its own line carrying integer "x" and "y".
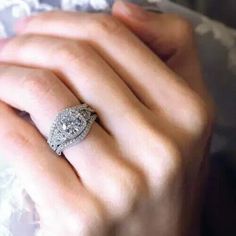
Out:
{"x": 43, "y": 95}
{"x": 47, "y": 178}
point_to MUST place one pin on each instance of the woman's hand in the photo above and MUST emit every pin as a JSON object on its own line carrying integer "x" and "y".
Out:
{"x": 145, "y": 153}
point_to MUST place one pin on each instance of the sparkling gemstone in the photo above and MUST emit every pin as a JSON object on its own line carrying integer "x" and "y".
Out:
{"x": 64, "y": 127}
{"x": 85, "y": 114}
{"x": 71, "y": 126}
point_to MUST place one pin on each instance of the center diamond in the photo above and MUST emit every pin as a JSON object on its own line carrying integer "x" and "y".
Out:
{"x": 71, "y": 126}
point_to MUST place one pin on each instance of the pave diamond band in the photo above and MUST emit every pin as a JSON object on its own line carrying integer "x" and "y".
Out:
{"x": 70, "y": 127}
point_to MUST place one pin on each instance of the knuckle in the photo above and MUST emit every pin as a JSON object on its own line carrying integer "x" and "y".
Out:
{"x": 134, "y": 183}
{"x": 86, "y": 222}
{"x": 128, "y": 190}
{"x": 185, "y": 27}
{"x": 167, "y": 154}
{"x": 200, "y": 115}
{"x": 37, "y": 83}
{"x": 69, "y": 52}
{"x": 66, "y": 51}
{"x": 171, "y": 153}
{"x": 105, "y": 24}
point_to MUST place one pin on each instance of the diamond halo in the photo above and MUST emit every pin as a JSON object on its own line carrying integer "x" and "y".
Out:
{"x": 70, "y": 127}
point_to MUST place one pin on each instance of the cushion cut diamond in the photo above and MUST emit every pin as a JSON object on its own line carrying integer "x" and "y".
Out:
{"x": 70, "y": 127}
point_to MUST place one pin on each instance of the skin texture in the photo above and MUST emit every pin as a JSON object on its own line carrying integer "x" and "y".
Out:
{"x": 154, "y": 118}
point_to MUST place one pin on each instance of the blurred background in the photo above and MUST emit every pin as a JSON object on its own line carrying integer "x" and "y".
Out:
{"x": 222, "y": 10}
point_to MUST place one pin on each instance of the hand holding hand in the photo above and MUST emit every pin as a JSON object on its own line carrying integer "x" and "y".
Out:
{"x": 154, "y": 121}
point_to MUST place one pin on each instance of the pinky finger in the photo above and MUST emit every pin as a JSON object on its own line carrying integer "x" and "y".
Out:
{"x": 49, "y": 180}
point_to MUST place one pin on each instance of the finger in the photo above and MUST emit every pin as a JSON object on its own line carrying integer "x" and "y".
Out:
{"x": 49, "y": 180}
{"x": 88, "y": 76}
{"x": 169, "y": 36}
{"x": 43, "y": 95}
{"x": 37, "y": 91}
{"x": 138, "y": 147}
{"x": 96, "y": 156}
{"x": 149, "y": 83}
{"x": 152, "y": 90}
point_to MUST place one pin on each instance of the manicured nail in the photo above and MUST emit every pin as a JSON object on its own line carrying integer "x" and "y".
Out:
{"x": 3, "y": 42}
{"x": 21, "y": 24}
{"x": 133, "y": 10}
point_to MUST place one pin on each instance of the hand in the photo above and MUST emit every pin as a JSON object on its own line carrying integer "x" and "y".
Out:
{"x": 149, "y": 143}
{"x": 171, "y": 37}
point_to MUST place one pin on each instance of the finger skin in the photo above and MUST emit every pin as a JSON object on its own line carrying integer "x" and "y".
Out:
{"x": 149, "y": 83}
{"x": 96, "y": 159}
{"x": 136, "y": 134}
{"x": 169, "y": 36}
{"x": 50, "y": 181}
{"x": 37, "y": 91}
{"x": 169, "y": 176}
{"x": 89, "y": 77}
{"x": 148, "y": 131}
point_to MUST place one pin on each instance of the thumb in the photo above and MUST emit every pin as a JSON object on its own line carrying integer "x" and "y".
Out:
{"x": 163, "y": 33}
{"x": 168, "y": 35}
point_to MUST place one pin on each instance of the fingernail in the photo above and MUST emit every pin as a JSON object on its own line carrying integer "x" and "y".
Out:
{"x": 133, "y": 10}
{"x": 21, "y": 24}
{"x": 3, "y": 42}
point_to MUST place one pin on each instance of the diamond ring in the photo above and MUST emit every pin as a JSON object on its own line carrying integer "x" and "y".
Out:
{"x": 70, "y": 127}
